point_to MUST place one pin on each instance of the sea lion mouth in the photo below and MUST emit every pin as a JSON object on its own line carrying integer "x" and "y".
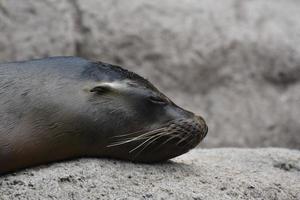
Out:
{"x": 182, "y": 134}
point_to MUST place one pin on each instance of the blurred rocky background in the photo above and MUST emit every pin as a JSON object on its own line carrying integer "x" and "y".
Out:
{"x": 236, "y": 63}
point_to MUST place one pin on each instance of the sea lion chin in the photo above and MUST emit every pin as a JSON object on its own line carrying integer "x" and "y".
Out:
{"x": 67, "y": 107}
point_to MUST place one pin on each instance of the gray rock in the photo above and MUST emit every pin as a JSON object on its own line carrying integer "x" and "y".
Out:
{"x": 235, "y": 62}
{"x": 272, "y": 174}
{"x": 33, "y": 28}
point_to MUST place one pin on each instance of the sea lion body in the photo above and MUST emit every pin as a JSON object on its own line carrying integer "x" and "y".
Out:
{"x": 66, "y": 107}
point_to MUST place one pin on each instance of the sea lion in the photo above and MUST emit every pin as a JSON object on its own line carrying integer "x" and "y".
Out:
{"x": 60, "y": 108}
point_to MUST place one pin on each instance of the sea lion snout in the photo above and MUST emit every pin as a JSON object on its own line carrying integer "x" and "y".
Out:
{"x": 189, "y": 131}
{"x": 203, "y": 128}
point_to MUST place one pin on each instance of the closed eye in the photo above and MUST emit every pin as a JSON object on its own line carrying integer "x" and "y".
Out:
{"x": 157, "y": 100}
{"x": 101, "y": 89}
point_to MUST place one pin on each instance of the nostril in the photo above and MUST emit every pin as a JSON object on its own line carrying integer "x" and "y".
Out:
{"x": 201, "y": 124}
{"x": 205, "y": 130}
{"x": 199, "y": 119}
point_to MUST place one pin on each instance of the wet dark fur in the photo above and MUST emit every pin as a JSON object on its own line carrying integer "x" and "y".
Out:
{"x": 47, "y": 115}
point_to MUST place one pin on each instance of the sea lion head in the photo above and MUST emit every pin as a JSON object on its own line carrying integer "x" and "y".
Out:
{"x": 136, "y": 120}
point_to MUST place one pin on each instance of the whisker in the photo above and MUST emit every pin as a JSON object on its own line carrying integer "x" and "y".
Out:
{"x": 145, "y": 142}
{"x": 164, "y": 126}
{"x": 154, "y": 138}
{"x": 128, "y": 134}
{"x": 183, "y": 139}
{"x": 171, "y": 138}
{"x": 145, "y": 135}
{"x": 140, "y": 137}
{"x": 149, "y": 137}
{"x": 188, "y": 143}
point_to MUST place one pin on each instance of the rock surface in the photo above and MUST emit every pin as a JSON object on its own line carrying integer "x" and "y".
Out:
{"x": 35, "y": 29}
{"x": 272, "y": 174}
{"x": 235, "y": 62}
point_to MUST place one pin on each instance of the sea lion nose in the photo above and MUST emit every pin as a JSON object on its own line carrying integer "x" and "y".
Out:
{"x": 202, "y": 125}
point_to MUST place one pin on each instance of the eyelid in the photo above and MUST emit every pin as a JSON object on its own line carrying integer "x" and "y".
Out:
{"x": 100, "y": 89}
{"x": 157, "y": 100}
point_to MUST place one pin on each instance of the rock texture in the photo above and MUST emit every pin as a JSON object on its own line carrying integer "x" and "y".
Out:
{"x": 272, "y": 174}
{"x": 34, "y": 29}
{"x": 235, "y": 62}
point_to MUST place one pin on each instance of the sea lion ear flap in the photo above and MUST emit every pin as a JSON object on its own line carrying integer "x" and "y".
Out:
{"x": 100, "y": 89}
